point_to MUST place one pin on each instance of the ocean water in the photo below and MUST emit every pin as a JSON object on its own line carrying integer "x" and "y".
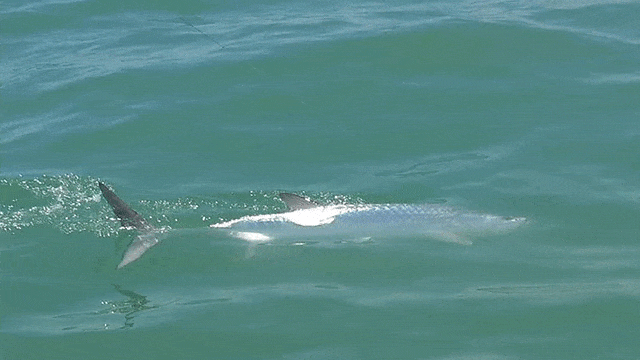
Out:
{"x": 196, "y": 112}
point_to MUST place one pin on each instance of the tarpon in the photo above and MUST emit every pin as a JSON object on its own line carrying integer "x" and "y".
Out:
{"x": 307, "y": 219}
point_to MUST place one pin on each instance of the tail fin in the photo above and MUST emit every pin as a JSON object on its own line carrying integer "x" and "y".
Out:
{"x": 131, "y": 219}
{"x": 128, "y": 218}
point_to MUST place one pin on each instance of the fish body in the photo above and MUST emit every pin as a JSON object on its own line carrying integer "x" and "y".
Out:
{"x": 307, "y": 220}
{"x": 344, "y": 222}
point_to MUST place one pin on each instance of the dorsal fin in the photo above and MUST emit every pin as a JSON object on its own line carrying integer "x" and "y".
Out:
{"x": 127, "y": 217}
{"x": 296, "y": 202}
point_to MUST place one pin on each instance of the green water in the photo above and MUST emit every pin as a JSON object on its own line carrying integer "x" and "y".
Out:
{"x": 198, "y": 112}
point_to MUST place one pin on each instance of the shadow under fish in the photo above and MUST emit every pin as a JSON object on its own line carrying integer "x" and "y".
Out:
{"x": 134, "y": 304}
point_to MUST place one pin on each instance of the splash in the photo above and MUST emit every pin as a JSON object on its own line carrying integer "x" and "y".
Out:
{"x": 67, "y": 202}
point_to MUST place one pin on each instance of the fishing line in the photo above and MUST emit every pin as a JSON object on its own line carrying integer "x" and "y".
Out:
{"x": 188, "y": 23}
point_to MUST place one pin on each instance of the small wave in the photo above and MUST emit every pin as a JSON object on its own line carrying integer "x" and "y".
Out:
{"x": 128, "y": 40}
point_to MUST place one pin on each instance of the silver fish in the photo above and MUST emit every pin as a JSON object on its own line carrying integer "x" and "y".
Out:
{"x": 307, "y": 219}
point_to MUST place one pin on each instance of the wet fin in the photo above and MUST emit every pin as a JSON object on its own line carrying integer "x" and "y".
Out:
{"x": 131, "y": 219}
{"x": 139, "y": 246}
{"x": 128, "y": 218}
{"x": 296, "y": 202}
